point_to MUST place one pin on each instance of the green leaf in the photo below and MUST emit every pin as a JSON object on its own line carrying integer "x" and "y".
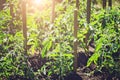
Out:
{"x": 93, "y": 58}
{"x": 46, "y": 48}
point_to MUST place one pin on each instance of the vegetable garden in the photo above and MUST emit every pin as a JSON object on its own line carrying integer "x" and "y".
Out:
{"x": 59, "y": 40}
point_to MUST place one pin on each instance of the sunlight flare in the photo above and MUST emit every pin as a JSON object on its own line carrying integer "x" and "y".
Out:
{"x": 38, "y": 1}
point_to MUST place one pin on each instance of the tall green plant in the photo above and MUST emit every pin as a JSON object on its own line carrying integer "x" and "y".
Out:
{"x": 107, "y": 40}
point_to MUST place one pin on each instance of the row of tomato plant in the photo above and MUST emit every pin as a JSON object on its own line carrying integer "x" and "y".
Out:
{"x": 54, "y": 42}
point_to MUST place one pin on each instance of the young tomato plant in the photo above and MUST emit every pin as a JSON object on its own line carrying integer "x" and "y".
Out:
{"x": 107, "y": 40}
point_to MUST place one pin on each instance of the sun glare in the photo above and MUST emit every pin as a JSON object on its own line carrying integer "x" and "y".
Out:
{"x": 38, "y": 1}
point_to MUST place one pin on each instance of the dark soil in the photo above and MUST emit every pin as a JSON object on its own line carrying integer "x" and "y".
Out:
{"x": 17, "y": 77}
{"x": 83, "y": 72}
{"x": 73, "y": 76}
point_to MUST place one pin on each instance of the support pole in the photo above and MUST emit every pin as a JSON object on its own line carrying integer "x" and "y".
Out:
{"x": 75, "y": 39}
{"x": 24, "y": 25}
{"x": 104, "y": 7}
{"x": 88, "y": 21}
{"x": 104, "y": 3}
{"x": 77, "y": 4}
{"x": 75, "y": 35}
{"x": 11, "y": 22}
{"x": 110, "y": 3}
{"x": 88, "y": 11}
{"x": 53, "y": 11}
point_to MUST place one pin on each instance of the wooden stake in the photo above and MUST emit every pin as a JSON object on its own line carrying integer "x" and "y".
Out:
{"x": 75, "y": 35}
{"x": 77, "y": 4}
{"x": 11, "y": 22}
{"x": 53, "y": 11}
{"x": 24, "y": 25}
{"x": 110, "y": 3}
{"x": 88, "y": 10}
{"x": 88, "y": 21}
{"x": 104, "y": 7}
{"x": 104, "y": 4}
{"x": 75, "y": 40}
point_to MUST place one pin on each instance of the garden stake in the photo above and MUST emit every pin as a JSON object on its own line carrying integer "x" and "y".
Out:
{"x": 88, "y": 21}
{"x": 88, "y": 11}
{"x": 75, "y": 35}
{"x": 24, "y": 25}
{"x": 75, "y": 39}
{"x": 53, "y": 11}
{"x": 77, "y": 4}
{"x": 11, "y": 22}
{"x": 104, "y": 4}
{"x": 110, "y": 3}
{"x": 104, "y": 7}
